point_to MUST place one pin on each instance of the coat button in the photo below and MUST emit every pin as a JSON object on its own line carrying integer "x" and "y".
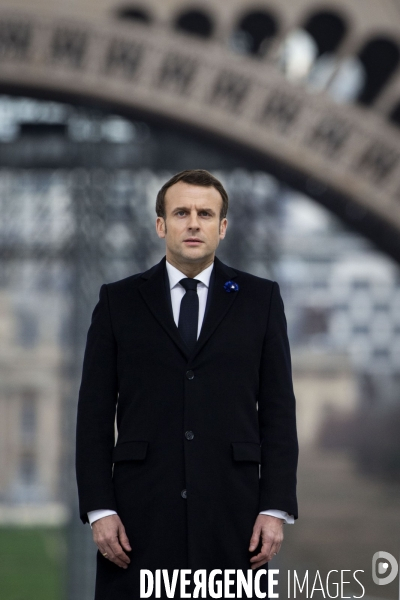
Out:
{"x": 190, "y": 374}
{"x": 184, "y": 494}
{"x": 189, "y": 435}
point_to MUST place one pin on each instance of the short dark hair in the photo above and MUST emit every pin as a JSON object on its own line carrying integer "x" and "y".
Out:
{"x": 194, "y": 177}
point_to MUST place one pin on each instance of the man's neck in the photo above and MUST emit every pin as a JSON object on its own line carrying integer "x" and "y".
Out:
{"x": 190, "y": 269}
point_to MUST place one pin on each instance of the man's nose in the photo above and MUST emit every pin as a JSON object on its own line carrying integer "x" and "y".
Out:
{"x": 193, "y": 221}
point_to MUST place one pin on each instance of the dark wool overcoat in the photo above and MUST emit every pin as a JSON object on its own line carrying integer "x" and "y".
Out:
{"x": 206, "y": 439}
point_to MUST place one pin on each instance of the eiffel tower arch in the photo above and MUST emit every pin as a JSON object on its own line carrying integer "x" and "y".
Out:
{"x": 228, "y": 72}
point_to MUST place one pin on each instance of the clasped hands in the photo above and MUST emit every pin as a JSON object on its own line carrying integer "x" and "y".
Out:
{"x": 110, "y": 537}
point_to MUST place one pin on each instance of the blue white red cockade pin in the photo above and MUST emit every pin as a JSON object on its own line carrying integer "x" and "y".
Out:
{"x": 231, "y": 286}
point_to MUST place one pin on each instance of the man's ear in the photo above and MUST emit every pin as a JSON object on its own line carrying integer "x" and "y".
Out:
{"x": 161, "y": 227}
{"x": 222, "y": 228}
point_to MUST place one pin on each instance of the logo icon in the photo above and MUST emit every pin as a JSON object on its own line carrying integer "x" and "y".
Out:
{"x": 381, "y": 561}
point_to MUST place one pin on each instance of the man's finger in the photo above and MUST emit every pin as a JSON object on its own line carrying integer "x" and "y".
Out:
{"x": 255, "y": 538}
{"x": 273, "y": 551}
{"x": 276, "y": 546}
{"x": 267, "y": 552}
{"x": 115, "y": 555}
{"x": 106, "y": 548}
{"x": 259, "y": 564}
{"x": 263, "y": 553}
{"x": 262, "y": 557}
{"x": 262, "y": 561}
{"x": 123, "y": 538}
{"x": 119, "y": 552}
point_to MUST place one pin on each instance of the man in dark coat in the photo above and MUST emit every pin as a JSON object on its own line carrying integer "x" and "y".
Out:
{"x": 192, "y": 359}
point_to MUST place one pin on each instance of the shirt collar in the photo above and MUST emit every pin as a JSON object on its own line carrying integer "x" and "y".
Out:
{"x": 174, "y": 275}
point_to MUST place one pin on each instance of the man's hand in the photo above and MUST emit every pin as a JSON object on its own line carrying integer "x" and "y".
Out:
{"x": 109, "y": 535}
{"x": 271, "y": 531}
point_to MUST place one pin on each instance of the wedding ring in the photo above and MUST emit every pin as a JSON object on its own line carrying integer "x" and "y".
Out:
{"x": 105, "y": 554}
{"x": 274, "y": 553}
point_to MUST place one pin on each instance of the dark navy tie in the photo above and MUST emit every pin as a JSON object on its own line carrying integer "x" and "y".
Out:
{"x": 189, "y": 312}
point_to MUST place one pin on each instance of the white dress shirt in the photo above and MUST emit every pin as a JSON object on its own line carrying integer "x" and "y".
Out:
{"x": 177, "y": 293}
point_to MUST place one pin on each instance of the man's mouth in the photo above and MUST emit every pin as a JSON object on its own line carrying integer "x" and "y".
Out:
{"x": 193, "y": 241}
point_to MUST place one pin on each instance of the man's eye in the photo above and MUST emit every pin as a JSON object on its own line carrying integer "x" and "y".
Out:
{"x": 205, "y": 213}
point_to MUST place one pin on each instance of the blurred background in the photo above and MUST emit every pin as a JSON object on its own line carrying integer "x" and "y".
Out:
{"x": 295, "y": 106}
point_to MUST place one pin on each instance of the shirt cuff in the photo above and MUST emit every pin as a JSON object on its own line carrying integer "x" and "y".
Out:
{"x": 94, "y": 515}
{"x": 280, "y": 514}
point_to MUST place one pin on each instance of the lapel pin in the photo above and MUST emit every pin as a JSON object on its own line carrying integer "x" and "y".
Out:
{"x": 231, "y": 286}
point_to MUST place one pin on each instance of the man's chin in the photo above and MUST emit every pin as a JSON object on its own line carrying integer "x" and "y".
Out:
{"x": 195, "y": 254}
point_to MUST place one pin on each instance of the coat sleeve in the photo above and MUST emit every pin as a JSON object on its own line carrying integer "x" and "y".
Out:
{"x": 277, "y": 415}
{"x": 97, "y": 401}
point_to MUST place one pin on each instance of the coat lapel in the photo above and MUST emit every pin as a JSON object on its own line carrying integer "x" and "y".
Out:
{"x": 154, "y": 294}
{"x": 219, "y": 301}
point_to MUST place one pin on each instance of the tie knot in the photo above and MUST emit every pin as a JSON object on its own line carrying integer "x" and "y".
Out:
{"x": 189, "y": 284}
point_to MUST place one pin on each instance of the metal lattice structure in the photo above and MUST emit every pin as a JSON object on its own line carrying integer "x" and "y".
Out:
{"x": 327, "y": 123}
{"x": 75, "y": 214}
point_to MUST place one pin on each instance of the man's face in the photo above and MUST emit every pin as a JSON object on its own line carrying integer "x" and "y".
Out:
{"x": 192, "y": 228}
